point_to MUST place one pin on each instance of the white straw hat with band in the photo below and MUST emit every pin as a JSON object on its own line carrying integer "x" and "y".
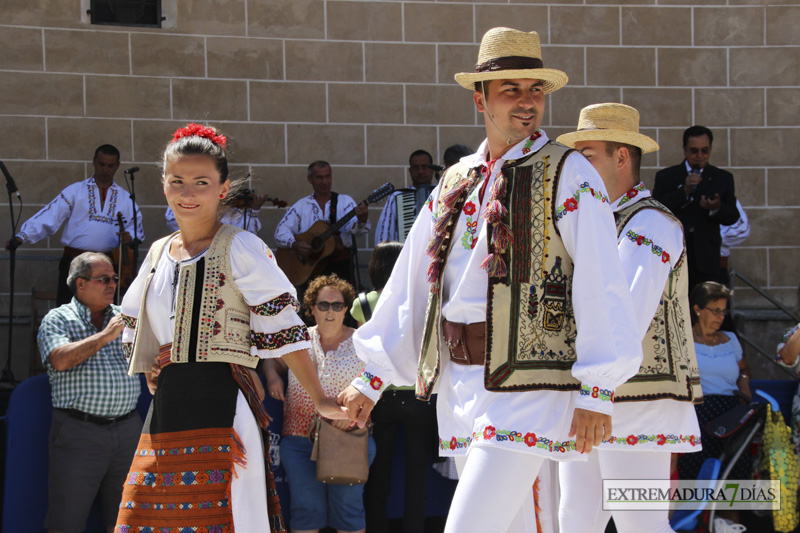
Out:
{"x": 609, "y": 122}
{"x": 507, "y": 54}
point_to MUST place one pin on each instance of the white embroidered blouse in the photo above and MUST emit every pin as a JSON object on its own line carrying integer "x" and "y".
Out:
{"x": 88, "y": 226}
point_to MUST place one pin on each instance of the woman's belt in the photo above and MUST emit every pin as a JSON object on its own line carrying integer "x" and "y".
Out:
{"x": 466, "y": 342}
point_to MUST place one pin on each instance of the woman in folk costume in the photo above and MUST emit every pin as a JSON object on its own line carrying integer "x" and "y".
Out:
{"x": 207, "y": 305}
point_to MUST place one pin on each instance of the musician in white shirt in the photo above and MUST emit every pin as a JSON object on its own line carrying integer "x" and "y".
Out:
{"x": 420, "y": 169}
{"x": 317, "y": 206}
{"x": 88, "y": 209}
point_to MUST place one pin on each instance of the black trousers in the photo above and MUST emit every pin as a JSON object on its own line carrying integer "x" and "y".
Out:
{"x": 400, "y": 408}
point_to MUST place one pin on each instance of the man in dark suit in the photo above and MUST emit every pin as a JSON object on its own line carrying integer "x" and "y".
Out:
{"x": 702, "y": 197}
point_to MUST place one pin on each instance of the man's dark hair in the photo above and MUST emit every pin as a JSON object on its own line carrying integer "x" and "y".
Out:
{"x": 420, "y": 152}
{"x": 317, "y": 164}
{"x": 106, "y": 149}
{"x": 454, "y": 153}
{"x": 697, "y": 131}
{"x": 81, "y": 267}
{"x": 634, "y": 151}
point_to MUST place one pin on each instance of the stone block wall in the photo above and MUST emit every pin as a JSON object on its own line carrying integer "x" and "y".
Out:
{"x": 364, "y": 83}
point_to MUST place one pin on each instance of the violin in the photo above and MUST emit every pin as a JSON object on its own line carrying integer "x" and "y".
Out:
{"x": 244, "y": 199}
{"x": 123, "y": 257}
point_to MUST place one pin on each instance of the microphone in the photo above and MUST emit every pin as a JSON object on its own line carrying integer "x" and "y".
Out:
{"x": 132, "y": 170}
{"x": 695, "y": 170}
{"x": 10, "y": 185}
{"x": 437, "y": 168}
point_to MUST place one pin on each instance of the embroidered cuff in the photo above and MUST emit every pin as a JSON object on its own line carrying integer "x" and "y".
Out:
{"x": 279, "y": 339}
{"x": 595, "y": 398}
{"x": 370, "y": 385}
{"x": 129, "y": 321}
{"x": 276, "y": 305}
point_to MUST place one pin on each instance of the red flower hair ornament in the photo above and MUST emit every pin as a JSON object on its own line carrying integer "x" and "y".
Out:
{"x": 200, "y": 131}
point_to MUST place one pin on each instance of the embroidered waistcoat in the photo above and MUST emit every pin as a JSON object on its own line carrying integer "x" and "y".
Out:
{"x": 205, "y": 288}
{"x": 669, "y": 368}
{"x": 530, "y": 324}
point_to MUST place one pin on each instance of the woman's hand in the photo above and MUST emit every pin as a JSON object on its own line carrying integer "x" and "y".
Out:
{"x": 274, "y": 384}
{"x": 328, "y": 408}
{"x": 344, "y": 425}
{"x": 152, "y": 378}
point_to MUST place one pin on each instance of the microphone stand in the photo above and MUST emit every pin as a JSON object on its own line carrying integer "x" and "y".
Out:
{"x": 8, "y": 374}
{"x": 135, "y": 240}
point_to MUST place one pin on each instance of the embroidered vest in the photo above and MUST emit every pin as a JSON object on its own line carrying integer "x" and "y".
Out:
{"x": 530, "y": 324}
{"x": 205, "y": 289}
{"x": 669, "y": 368}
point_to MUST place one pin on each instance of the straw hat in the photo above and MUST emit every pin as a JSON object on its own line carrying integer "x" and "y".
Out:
{"x": 609, "y": 122}
{"x": 507, "y": 54}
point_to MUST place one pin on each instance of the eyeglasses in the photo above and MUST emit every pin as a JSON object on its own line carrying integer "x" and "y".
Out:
{"x": 704, "y": 149}
{"x": 324, "y": 306}
{"x": 717, "y": 312}
{"x": 105, "y": 280}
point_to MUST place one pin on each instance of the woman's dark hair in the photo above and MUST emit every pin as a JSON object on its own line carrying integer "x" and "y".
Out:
{"x": 707, "y": 292}
{"x": 199, "y": 144}
{"x": 319, "y": 283}
{"x": 382, "y": 262}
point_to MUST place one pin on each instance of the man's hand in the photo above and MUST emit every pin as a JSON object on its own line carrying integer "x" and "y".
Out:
{"x": 124, "y": 237}
{"x": 13, "y": 243}
{"x": 258, "y": 201}
{"x": 114, "y": 328}
{"x": 152, "y": 378}
{"x": 362, "y": 212}
{"x": 712, "y": 204}
{"x": 358, "y": 405}
{"x": 589, "y": 428}
{"x": 302, "y": 248}
{"x": 691, "y": 183}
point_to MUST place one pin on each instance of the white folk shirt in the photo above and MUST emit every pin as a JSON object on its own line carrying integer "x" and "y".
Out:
{"x": 468, "y": 414}
{"x": 303, "y": 214}
{"x": 675, "y": 422}
{"x": 88, "y": 227}
{"x": 232, "y": 215}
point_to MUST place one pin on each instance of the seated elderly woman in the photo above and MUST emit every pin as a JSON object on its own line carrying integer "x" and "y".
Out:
{"x": 723, "y": 370}
{"x": 315, "y": 505}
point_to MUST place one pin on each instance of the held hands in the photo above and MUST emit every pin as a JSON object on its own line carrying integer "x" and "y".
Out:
{"x": 358, "y": 406}
{"x": 589, "y": 428}
{"x": 712, "y": 204}
{"x": 328, "y": 408}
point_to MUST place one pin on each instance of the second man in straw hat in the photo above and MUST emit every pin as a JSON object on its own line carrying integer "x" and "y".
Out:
{"x": 654, "y": 413}
{"x": 517, "y": 249}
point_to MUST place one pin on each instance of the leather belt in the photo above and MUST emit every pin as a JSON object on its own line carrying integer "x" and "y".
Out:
{"x": 466, "y": 342}
{"x": 99, "y": 420}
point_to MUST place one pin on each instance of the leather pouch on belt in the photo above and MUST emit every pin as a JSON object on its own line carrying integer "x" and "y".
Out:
{"x": 466, "y": 342}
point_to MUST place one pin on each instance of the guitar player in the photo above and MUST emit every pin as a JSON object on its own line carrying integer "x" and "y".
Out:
{"x": 326, "y": 206}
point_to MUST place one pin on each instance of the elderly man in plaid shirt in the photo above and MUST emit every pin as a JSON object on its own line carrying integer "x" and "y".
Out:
{"x": 95, "y": 427}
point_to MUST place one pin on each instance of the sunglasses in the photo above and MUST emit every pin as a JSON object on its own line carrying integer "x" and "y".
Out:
{"x": 105, "y": 280}
{"x": 324, "y": 306}
{"x": 694, "y": 151}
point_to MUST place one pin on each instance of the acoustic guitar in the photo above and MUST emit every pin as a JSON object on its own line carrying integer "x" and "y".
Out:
{"x": 322, "y": 238}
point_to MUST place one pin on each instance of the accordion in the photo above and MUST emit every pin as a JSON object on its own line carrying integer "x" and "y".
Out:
{"x": 409, "y": 203}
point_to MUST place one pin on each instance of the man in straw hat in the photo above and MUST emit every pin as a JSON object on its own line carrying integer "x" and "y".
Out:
{"x": 653, "y": 415}
{"x": 518, "y": 248}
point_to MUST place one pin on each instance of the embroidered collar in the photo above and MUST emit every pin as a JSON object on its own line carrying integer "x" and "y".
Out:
{"x": 639, "y": 192}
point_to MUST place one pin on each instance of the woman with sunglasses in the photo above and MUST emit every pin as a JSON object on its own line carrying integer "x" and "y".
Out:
{"x": 207, "y": 306}
{"x": 315, "y": 505}
{"x": 723, "y": 370}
